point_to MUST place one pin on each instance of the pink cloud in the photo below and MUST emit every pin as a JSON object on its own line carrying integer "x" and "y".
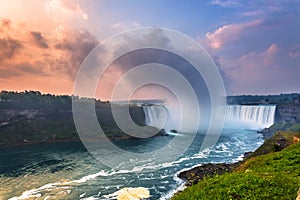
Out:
{"x": 261, "y": 72}
{"x": 71, "y": 46}
{"x": 40, "y": 60}
{"x": 268, "y": 55}
{"x": 67, "y": 7}
{"x": 254, "y": 62}
{"x": 229, "y": 33}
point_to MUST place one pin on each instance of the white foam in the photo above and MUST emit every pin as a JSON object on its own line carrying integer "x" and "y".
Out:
{"x": 130, "y": 193}
{"x": 181, "y": 186}
{"x": 35, "y": 193}
{"x": 91, "y": 198}
{"x": 82, "y": 195}
{"x": 240, "y": 158}
{"x": 91, "y": 176}
{"x": 202, "y": 154}
{"x": 47, "y": 197}
{"x": 223, "y": 146}
{"x": 174, "y": 134}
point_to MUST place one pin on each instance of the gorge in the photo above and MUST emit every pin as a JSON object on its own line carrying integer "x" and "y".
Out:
{"x": 34, "y": 117}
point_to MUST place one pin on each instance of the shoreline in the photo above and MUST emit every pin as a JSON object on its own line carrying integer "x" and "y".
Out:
{"x": 198, "y": 173}
{"x": 21, "y": 144}
{"x": 183, "y": 184}
{"x": 75, "y": 139}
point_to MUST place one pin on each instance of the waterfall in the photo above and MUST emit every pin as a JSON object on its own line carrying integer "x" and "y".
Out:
{"x": 237, "y": 116}
{"x": 156, "y": 116}
{"x": 256, "y": 117}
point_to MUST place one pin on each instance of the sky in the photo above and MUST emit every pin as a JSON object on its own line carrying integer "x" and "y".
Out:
{"x": 255, "y": 44}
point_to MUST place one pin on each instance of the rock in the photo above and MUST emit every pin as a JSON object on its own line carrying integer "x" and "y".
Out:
{"x": 288, "y": 112}
{"x": 163, "y": 132}
{"x": 173, "y": 131}
{"x": 280, "y": 144}
{"x": 130, "y": 193}
{"x": 247, "y": 154}
{"x": 193, "y": 176}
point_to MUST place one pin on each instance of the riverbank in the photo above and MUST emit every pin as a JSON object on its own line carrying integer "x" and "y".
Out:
{"x": 272, "y": 170}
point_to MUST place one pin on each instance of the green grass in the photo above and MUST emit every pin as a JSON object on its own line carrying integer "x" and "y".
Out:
{"x": 287, "y": 161}
{"x": 272, "y": 176}
{"x": 270, "y": 146}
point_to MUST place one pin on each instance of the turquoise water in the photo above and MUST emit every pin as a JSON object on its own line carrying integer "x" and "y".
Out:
{"x": 68, "y": 171}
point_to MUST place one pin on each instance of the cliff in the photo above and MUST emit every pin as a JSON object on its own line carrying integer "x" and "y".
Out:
{"x": 287, "y": 113}
{"x": 287, "y": 118}
{"x": 31, "y": 117}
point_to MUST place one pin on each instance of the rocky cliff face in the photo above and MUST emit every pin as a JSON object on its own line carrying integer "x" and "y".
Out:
{"x": 287, "y": 113}
{"x": 18, "y": 126}
{"x": 287, "y": 118}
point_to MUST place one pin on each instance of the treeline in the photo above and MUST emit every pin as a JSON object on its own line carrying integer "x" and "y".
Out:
{"x": 264, "y": 99}
{"x": 37, "y": 100}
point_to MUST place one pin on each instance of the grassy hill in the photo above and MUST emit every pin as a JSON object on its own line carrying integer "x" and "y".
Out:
{"x": 272, "y": 176}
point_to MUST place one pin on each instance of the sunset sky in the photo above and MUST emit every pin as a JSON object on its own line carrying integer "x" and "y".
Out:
{"x": 256, "y": 45}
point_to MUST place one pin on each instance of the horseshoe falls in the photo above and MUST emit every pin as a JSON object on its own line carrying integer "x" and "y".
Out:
{"x": 155, "y": 116}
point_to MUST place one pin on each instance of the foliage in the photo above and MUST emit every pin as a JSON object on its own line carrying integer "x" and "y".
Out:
{"x": 32, "y": 117}
{"x": 33, "y": 100}
{"x": 264, "y": 99}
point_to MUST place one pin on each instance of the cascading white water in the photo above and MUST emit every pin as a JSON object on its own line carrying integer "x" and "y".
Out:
{"x": 250, "y": 116}
{"x": 237, "y": 116}
{"x": 156, "y": 116}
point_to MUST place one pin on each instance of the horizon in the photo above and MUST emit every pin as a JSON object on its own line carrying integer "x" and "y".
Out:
{"x": 156, "y": 99}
